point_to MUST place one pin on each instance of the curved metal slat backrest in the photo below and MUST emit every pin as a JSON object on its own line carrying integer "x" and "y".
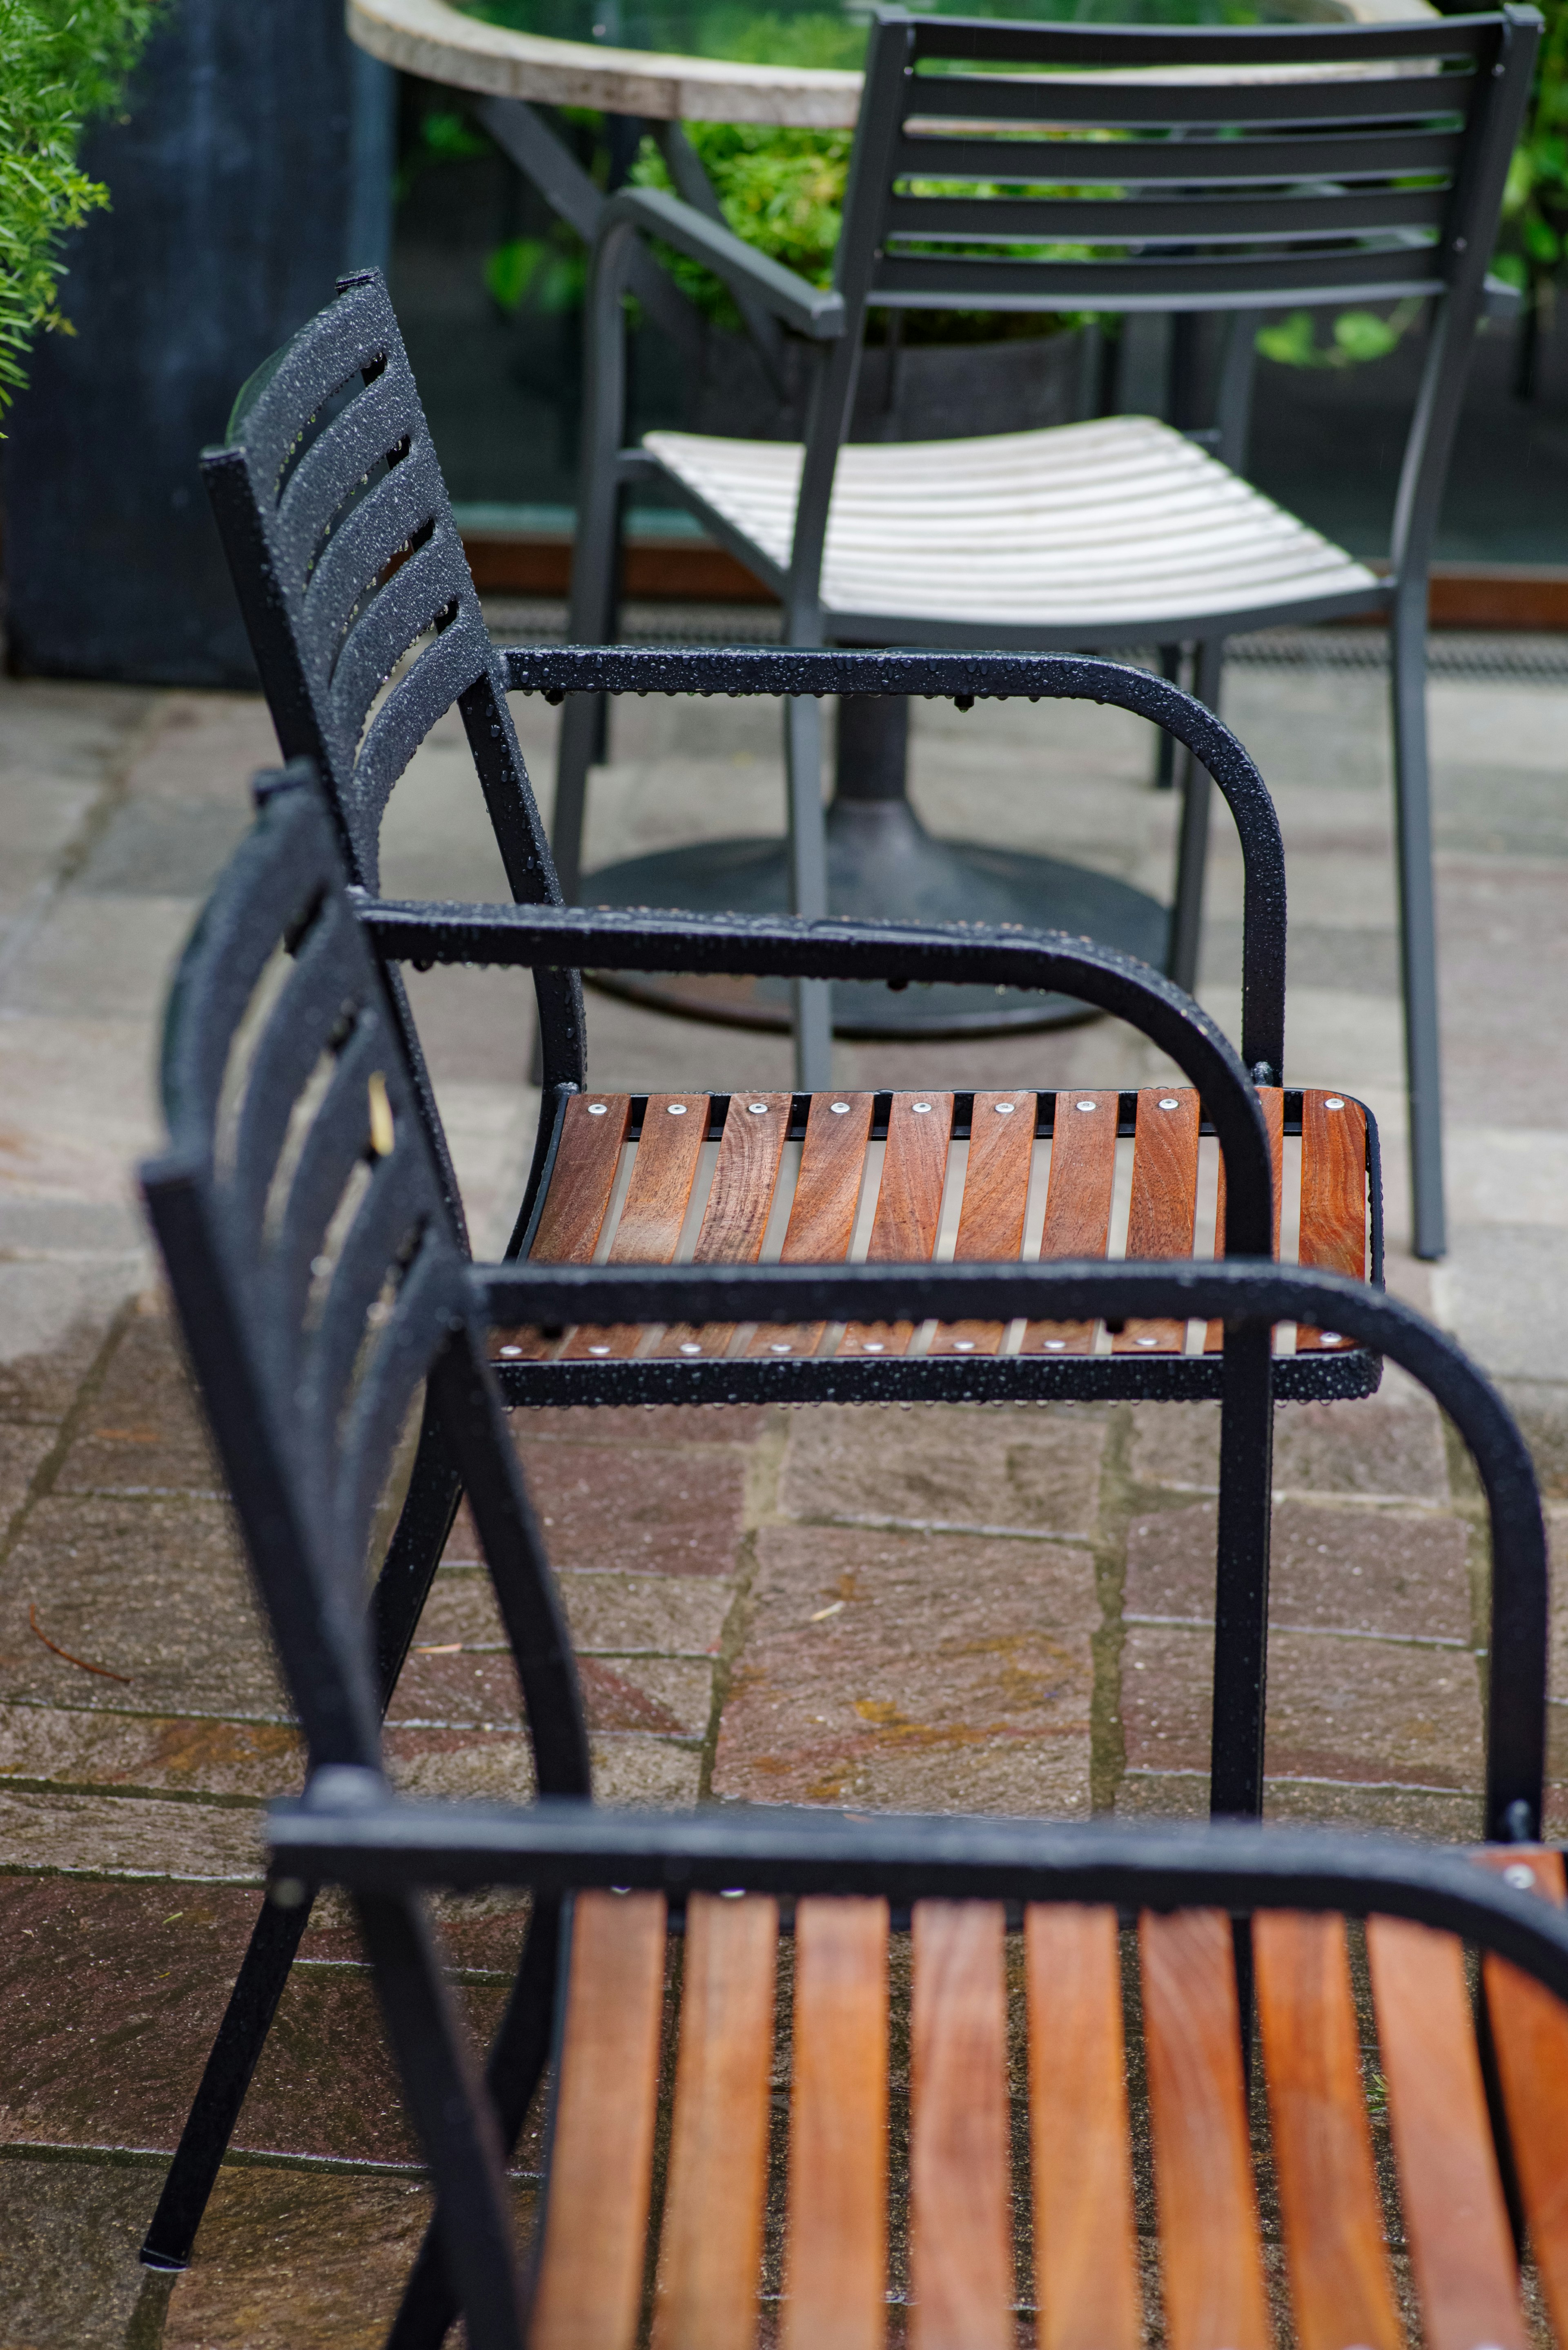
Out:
{"x": 320, "y": 1280}
{"x": 352, "y": 579}
{"x": 1187, "y": 169}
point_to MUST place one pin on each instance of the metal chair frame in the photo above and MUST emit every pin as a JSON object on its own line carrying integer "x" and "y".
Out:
{"x": 320, "y": 1283}
{"x": 1351, "y": 186}
{"x": 283, "y": 1298}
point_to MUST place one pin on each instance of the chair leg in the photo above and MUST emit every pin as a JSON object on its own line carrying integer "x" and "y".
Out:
{"x": 1417, "y": 923}
{"x": 210, "y": 2124}
{"x": 1165, "y": 756}
{"x": 396, "y": 1606}
{"x": 453, "y": 2118}
{"x": 1242, "y": 1576}
{"x": 1193, "y": 854}
{"x": 808, "y": 884}
{"x": 517, "y": 2059}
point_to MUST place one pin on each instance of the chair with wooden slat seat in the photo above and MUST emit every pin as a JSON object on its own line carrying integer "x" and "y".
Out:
{"x": 1007, "y": 167}
{"x": 349, "y": 572}
{"x": 319, "y": 1283}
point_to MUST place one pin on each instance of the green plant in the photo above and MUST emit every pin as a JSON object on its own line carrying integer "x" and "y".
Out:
{"x": 1355, "y": 336}
{"x": 1535, "y": 200}
{"x": 61, "y": 63}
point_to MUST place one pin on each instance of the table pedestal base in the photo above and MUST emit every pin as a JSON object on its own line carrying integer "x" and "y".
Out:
{"x": 884, "y": 865}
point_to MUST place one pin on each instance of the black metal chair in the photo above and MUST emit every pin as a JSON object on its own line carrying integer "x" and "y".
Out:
{"x": 319, "y": 1281}
{"x": 1180, "y": 169}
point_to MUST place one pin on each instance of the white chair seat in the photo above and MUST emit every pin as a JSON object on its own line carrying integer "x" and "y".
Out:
{"x": 1119, "y": 521}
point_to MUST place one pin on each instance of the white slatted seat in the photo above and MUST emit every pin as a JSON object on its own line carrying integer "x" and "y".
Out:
{"x": 1123, "y": 523}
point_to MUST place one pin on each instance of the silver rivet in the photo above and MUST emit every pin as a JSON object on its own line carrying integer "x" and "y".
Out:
{"x": 675, "y": 1110}
{"x": 733, "y": 1893}
{"x": 1170, "y": 1102}
{"x": 919, "y": 1109}
{"x": 598, "y": 1350}
{"x": 758, "y": 1110}
{"x": 1057, "y": 1346}
{"x": 599, "y": 1110}
{"x": 841, "y": 1110}
{"x": 1148, "y": 1342}
{"x": 872, "y": 1346}
{"x": 1333, "y": 1102}
{"x": 1004, "y": 1109}
{"x": 964, "y": 1345}
{"x": 689, "y": 1347}
{"x": 510, "y": 1351}
{"x": 1085, "y": 1105}
{"x": 1522, "y": 1878}
{"x": 1331, "y": 1338}
{"x": 779, "y": 1347}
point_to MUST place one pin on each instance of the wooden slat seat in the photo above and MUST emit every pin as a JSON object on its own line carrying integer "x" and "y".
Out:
{"x": 1088, "y": 2290}
{"x": 911, "y": 1177}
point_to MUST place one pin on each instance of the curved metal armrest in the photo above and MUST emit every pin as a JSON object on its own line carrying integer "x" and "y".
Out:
{"x": 348, "y": 1828}
{"x": 787, "y": 946}
{"x": 1242, "y": 1296}
{"x": 556, "y": 671}
{"x": 809, "y": 309}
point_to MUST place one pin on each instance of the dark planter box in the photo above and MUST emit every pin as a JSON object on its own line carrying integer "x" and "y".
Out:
{"x": 253, "y": 166}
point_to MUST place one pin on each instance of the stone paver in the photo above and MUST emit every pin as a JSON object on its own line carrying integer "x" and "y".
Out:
{"x": 929, "y": 1606}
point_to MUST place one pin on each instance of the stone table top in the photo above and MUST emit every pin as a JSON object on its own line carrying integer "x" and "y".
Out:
{"x": 431, "y": 39}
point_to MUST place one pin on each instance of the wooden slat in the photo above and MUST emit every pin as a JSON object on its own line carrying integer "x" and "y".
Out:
{"x": 711, "y": 2249}
{"x": 739, "y": 1201}
{"x": 590, "y": 2293}
{"x": 1334, "y": 1198}
{"x": 1329, "y": 2204}
{"x": 1209, "y": 2259}
{"x": 827, "y": 1200}
{"x": 1164, "y": 1201}
{"x": 1530, "y": 2036}
{"x": 1272, "y": 1102}
{"x": 648, "y": 1232}
{"x": 837, "y": 2261}
{"x": 1077, "y": 1203}
{"x": 1456, "y": 2221}
{"x": 587, "y": 1157}
{"x": 995, "y": 1198}
{"x": 1086, "y": 2247}
{"x": 908, "y": 1206}
{"x": 959, "y": 2172}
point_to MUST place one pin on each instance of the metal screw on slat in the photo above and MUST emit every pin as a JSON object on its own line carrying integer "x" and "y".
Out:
{"x": 1333, "y": 1102}
{"x": 599, "y": 1110}
{"x": 1520, "y": 1877}
{"x": 1004, "y": 1109}
{"x": 689, "y": 1347}
{"x": 509, "y": 1351}
{"x": 921, "y": 1109}
{"x": 1085, "y": 1105}
{"x": 758, "y": 1110}
{"x": 598, "y": 1350}
{"x": 676, "y": 1109}
{"x": 840, "y": 1110}
{"x": 1170, "y": 1102}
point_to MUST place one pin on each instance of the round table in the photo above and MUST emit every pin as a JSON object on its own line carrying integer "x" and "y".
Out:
{"x": 881, "y": 860}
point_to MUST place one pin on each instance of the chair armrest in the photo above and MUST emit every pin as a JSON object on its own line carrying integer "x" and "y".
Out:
{"x": 807, "y": 308}
{"x": 557, "y": 671}
{"x": 786, "y": 946}
{"x": 349, "y": 1829}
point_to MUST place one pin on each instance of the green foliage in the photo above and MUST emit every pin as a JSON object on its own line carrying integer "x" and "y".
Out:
{"x": 61, "y": 62}
{"x": 1535, "y": 200}
{"x": 783, "y": 190}
{"x": 1356, "y": 335}
{"x": 548, "y": 274}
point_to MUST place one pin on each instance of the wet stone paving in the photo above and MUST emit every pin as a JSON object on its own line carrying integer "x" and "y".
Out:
{"x": 934, "y": 1607}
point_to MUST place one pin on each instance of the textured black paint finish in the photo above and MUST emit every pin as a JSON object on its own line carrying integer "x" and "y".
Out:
{"x": 251, "y": 131}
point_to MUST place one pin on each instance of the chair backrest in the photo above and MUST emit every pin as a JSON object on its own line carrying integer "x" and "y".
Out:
{"x": 349, "y": 571}
{"x": 320, "y": 1283}
{"x": 1187, "y": 169}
